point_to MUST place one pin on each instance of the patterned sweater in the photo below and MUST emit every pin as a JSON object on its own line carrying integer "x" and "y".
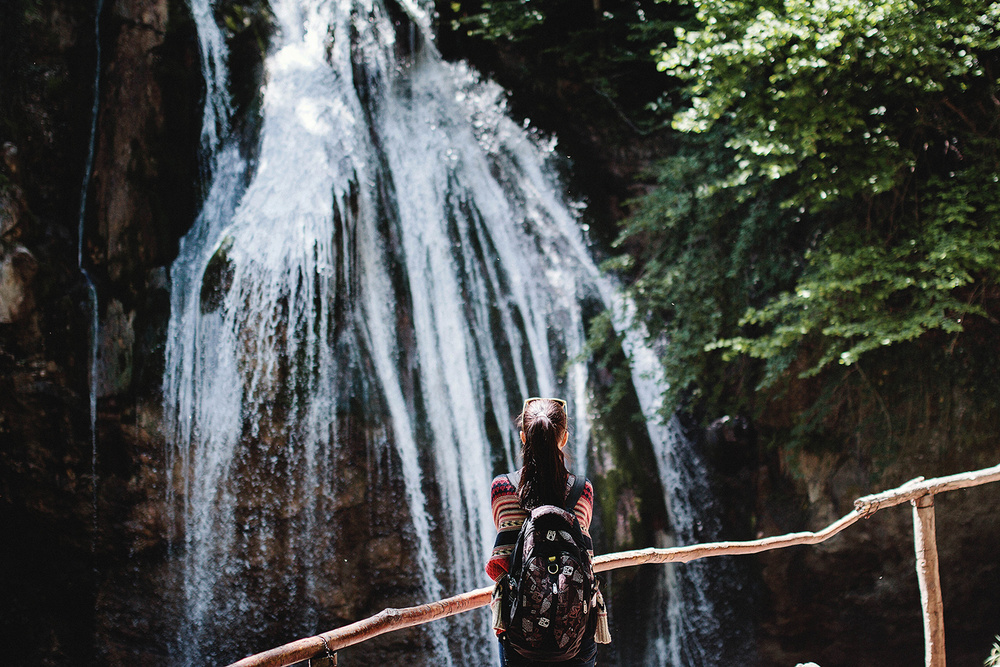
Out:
{"x": 508, "y": 517}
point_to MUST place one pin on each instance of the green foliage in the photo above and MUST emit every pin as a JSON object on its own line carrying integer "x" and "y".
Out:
{"x": 857, "y": 294}
{"x": 699, "y": 253}
{"x": 600, "y": 50}
{"x": 246, "y": 19}
{"x": 604, "y": 349}
{"x": 843, "y": 94}
{"x": 504, "y": 20}
{"x": 837, "y": 191}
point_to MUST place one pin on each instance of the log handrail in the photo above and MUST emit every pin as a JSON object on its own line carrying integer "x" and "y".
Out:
{"x": 389, "y": 620}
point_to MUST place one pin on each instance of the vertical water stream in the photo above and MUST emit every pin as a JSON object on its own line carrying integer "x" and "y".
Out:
{"x": 396, "y": 263}
{"x": 694, "y": 635}
{"x": 91, "y": 290}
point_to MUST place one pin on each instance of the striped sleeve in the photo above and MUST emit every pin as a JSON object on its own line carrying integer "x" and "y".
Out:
{"x": 584, "y": 514}
{"x": 508, "y": 517}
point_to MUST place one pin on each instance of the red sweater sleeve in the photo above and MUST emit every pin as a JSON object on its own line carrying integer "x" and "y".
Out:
{"x": 508, "y": 517}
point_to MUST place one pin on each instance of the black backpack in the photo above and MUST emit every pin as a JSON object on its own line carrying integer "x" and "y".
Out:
{"x": 551, "y": 589}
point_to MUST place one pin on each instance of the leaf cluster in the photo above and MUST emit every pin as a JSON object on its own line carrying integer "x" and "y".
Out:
{"x": 846, "y": 95}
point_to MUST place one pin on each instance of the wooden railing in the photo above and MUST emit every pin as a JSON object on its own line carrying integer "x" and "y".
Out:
{"x": 919, "y": 492}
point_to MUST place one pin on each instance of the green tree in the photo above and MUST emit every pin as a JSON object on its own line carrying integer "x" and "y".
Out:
{"x": 843, "y": 187}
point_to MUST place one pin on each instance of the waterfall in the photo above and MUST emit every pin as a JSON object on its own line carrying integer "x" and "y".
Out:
{"x": 700, "y": 630}
{"x": 88, "y": 169}
{"x": 395, "y": 265}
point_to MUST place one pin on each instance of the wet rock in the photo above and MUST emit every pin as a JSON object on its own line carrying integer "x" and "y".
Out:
{"x": 18, "y": 266}
{"x": 386, "y": 552}
{"x": 731, "y": 443}
{"x": 145, "y": 162}
{"x": 115, "y": 350}
{"x": 218, "y": 277}
{"x": 17, "y": 271}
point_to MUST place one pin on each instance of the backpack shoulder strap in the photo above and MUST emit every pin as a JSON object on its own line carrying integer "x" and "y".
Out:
{"x": 575, "y": 491}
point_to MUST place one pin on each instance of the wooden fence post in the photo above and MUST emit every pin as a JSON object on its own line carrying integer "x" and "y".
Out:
{"x": 925, "y": 542}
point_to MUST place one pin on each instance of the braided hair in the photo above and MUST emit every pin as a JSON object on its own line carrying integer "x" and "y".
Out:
{"x": 543, "y": 480}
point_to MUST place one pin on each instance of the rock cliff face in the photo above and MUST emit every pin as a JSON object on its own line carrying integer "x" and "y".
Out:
{"x": 45, "y": 457}
{"x": 859, "y": 590}
{"x": 854, "y": 599}
{"x": 87, "y": 535}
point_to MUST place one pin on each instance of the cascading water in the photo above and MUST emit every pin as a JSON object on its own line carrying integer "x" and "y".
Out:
{"x": 693, "y": 634}
{"x": 396, "y": 263}
{"x": 696, "y": 633}
{"x": 91, "y": 290}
